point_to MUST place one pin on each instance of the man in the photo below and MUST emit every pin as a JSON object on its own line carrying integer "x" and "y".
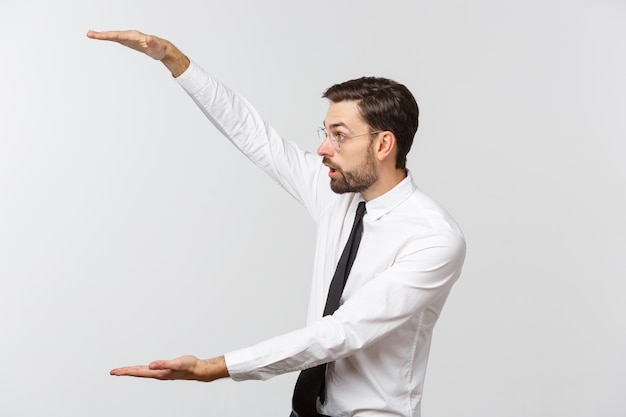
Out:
{"x": 374, "y": 303}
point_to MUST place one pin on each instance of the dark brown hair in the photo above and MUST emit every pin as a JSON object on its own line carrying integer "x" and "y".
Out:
{"x": 384, "y": 105}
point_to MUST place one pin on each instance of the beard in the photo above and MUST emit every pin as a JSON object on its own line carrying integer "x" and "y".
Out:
{"x": 355, "y": 181}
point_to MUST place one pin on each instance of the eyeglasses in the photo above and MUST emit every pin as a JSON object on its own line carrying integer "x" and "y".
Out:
{"x": 338, "y": 138}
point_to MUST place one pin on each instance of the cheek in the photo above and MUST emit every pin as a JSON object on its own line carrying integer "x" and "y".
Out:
{"x": 343, "y": 166}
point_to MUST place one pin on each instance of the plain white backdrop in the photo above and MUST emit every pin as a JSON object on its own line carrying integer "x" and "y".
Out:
{"x": 131, "y": 231}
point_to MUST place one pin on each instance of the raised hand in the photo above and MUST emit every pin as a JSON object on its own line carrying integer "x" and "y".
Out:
{"x": 153, "y": 46}
{"x": 150, "y": 45}
{"x": 186, "y": 367}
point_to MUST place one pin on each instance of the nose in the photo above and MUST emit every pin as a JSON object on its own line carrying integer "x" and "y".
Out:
{"x": 326, "y": 148}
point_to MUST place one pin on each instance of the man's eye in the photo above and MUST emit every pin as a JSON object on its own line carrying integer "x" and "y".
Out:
{"x": 340, "y": 137}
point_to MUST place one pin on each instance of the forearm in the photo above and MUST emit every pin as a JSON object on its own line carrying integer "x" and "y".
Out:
{"x": 390, "y": 308}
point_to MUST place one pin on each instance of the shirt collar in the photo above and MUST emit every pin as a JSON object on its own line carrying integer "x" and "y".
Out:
{"x": 383, "y": 204}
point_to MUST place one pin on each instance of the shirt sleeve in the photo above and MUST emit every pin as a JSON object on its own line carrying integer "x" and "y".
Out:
{"x": 298, "y": 172}
{"x": 423, "y": 274}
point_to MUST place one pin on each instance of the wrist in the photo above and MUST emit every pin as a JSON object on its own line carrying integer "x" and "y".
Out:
{"x": 175, "y": 60}
{"x": 214, "y": 368}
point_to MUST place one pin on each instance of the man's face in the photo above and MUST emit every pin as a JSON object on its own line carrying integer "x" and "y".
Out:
{"x": 353, "y": 165}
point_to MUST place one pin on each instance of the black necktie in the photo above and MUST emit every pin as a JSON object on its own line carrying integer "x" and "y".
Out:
{"x": 310, "y": 384}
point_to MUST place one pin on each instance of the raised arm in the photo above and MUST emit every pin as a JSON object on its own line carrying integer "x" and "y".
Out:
{"x": 153, "y": 46}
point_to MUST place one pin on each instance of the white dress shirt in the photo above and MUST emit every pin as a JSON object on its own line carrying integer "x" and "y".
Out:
{"x": 410, "y": 255}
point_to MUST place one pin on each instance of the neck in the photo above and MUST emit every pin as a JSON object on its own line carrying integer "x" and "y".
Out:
{"x": 385, "y": 183}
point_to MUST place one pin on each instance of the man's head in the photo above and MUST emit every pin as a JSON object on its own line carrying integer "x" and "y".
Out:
{"x": 368, "y": 131}
{"x": 384, "y": 105}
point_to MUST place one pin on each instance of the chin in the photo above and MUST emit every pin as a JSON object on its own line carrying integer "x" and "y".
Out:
{"x": 339, "y": 187}
{"x": 343, "y": 188}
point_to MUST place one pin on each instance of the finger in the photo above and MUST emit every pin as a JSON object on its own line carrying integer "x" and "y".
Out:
{"x": 140, "y": 372}
{"x": 129, "y": 370}
{"x": 105, "y": 36}
{"x": 117, "y": 35}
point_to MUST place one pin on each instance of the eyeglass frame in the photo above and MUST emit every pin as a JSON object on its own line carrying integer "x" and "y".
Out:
{"x": 336, "y": 140}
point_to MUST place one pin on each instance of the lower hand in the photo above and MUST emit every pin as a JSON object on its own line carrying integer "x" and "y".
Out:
{"x": 185, "y": 367}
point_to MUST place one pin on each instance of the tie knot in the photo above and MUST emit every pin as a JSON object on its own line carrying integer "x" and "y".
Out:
{"x": 360, "y": 210}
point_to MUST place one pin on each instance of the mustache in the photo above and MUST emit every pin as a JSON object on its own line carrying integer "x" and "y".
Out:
{"x": 326, "y": 161}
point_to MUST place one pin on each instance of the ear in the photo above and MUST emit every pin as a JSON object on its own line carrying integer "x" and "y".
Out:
{"x": 385, "y": 146}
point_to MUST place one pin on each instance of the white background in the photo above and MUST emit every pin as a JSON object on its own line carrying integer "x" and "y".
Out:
{"x": 131, "y": 231}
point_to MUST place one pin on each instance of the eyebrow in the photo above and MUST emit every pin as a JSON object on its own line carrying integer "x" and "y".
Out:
{"x": 334, "y": 125}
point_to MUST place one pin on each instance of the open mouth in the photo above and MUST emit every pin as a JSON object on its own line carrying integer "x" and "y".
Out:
{"x": 332, "y": 170}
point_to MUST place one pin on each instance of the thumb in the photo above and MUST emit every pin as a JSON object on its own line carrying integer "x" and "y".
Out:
{"x": 160, "y": 365}
{"x": 155, "y": 47}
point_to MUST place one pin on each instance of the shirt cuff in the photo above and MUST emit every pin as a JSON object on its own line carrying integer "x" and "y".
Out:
{"x": 193, "y": 79}
{"x": 238, "y": 364}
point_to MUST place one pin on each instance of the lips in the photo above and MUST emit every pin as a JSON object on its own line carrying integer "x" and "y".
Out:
{"x": 332, "y": 168}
